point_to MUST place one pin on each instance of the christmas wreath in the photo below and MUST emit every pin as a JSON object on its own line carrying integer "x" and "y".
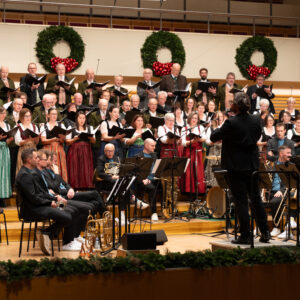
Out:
{"x": 246, "y": 50}
{"x": 49, "y": 37}
{"x": 156, "y": 41}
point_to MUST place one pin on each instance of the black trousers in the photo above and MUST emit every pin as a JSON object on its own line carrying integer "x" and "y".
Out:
{"x": 240, "y": 186}
{"x": 151, "y": 188}
{"x": 62, "y": 219}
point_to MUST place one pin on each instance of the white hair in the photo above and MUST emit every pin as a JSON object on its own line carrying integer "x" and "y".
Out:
{"x": 169, "y": 116}
{"x": 264, "y": 101}
{"x": 162, "y": 93}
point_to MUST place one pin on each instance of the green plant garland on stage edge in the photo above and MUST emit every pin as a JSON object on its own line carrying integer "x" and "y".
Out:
{"x": 248, "y": 47}
{"x": 27, "y": 269}
{"x": 158, "y": 40}
{"x": 50, "y": 36}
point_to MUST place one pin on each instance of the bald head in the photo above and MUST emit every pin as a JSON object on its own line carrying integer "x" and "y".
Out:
{"x": 4, "y": 72}
{"x": 78, "y": 99}
{"x": 149, "y": 146}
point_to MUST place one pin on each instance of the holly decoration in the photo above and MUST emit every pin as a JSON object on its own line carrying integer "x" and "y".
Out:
{"x": 47, "y": 39}
{"x": 245, "y": 52}
{"x": 70, "y": 63}
{"x": 161, "y": 69}
{"x": 253, "y": 71}
{"x": 156, "y": 41}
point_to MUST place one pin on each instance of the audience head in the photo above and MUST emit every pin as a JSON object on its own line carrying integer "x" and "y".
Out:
{"x": 126, "y": 105}
{"x": 89, "y": 74}
{"x": 280, "y": 131}
{"x": 80, "y": 119}
{"x": 135, "y": 101}
{"x": 25, "y": 116}
{"x": 137, "y": 122}
{"x": 17, "y": 105}
{"x": 118, "y": 80}
{"x": 264, "y": 105}
{"x": 105, "y": 95}
{"x": 113, "y": 113}
{"x": 2, "y": 113}
{"x": 29, "y": 157}
{"x": 103, "y": 104}
{"x": 284, "y": 153}
{"x": 169, "y": 120}
{"x": 32, "y": 68}
{"x": 149, "y": 146}
{"x": 193, "y": 119}
{"x": 203, "y": 73}
{"x": 241, "y": 103}
{"x": 175, "y": 70}
{"x": 77, "y": 99}
{"x": 47, "y": 101}
{"x": 109, "y": 150}
{"x": 162, "y": 97}
{"x": 152, "y": 104}
{"x": 42, "y": 159}
{"x": 147, "y": 74}
{"x": 230, "y": 78}
{"x": 269, "y": 121}
{"x": 260, "y": 79}
{"x": 4, "y": 72}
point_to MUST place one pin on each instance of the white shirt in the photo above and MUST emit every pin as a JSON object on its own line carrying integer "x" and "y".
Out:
{"x": 199, "y": 130}
{"x": 163, "y": 130}
{"x": 18, "y": 138}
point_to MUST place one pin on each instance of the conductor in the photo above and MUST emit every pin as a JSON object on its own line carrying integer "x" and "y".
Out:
{"x": 239, "y": 135}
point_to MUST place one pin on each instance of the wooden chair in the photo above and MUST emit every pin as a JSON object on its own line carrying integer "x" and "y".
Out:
{"x": 5, "y": 225}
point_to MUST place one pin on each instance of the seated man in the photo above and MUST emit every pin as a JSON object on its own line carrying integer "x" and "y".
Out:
{"x": 43, "y": 188}
{"x": 35, "y": 205}
{"x": 56, "y": 183}
{"x": 149, "y": 184}
{"x": 277, "y": 141}
{"x": 278, "y": 190}
{"x": 108, "y": 170}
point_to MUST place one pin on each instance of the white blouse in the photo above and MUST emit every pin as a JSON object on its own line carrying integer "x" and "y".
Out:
{"x": 163, "y": 130}
{"x": 199, "y": 130}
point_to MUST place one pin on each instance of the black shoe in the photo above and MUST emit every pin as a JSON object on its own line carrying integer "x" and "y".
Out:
{"x": 265, "y": 237}
{"x": 242, "y": 240}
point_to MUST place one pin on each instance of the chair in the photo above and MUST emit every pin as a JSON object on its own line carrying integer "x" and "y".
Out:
{"x": 30, "y": 220}
{"x": 4, "y": 218}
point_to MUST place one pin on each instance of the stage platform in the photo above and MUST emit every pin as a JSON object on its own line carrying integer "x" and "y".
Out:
{"x": 226, "y": 244}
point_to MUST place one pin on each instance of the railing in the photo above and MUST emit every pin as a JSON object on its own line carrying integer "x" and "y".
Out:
{"x": 161, "y": 12}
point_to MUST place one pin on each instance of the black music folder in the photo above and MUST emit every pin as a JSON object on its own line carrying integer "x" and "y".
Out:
{"x": 156, "y": 121}
{"x": 29, "y": 79}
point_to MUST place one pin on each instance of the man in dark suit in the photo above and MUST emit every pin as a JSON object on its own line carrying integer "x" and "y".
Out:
{"x": 90, "y": 96}
{"x": 63, "y": 93}
{"x": 172, "y": 82}
{"x": 82, "y": 208}
{"x": 278, "y": 140}
{"x": 34, "y": 203}
{"x": 239, "y": 136}
{"x": 149, "y": 184}
{"x": 161, "y": 102}
{"x": 40, "y": 113}
{"x": 114, "y": 98}
{"x": 145, "y": 94}
{"x": 35, "y": 92}
{"x": 199, "y": 95}
{"x": 5, "y": 81}
{"x": 255, "y": 98}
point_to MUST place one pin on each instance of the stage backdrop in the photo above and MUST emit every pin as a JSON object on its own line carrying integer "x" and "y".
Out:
{"x": 118, "y": 52}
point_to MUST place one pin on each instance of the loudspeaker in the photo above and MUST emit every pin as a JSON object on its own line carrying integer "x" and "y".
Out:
{"x": 139, "y": 241}
{"x": 161, "y": 236}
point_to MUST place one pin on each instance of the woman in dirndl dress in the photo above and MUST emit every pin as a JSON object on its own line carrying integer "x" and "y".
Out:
{"x": 22, "y": 140}
{"x": 5, "y": 182}
{"x": 55, "y": 144}
{"x": 193, "y": 179}
{"x": 80, "y": 156}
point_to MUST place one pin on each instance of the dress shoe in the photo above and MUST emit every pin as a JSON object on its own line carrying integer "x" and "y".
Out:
{"x": 265, "y": 237}
{"x": 242, "y": 240}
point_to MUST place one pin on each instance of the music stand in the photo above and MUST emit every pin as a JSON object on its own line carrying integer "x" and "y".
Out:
{"x": 142, "y": 170}
{"x": 171, "y": 167}
{"x": 220, "y": 176}
{"x": 289, "y": 174}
